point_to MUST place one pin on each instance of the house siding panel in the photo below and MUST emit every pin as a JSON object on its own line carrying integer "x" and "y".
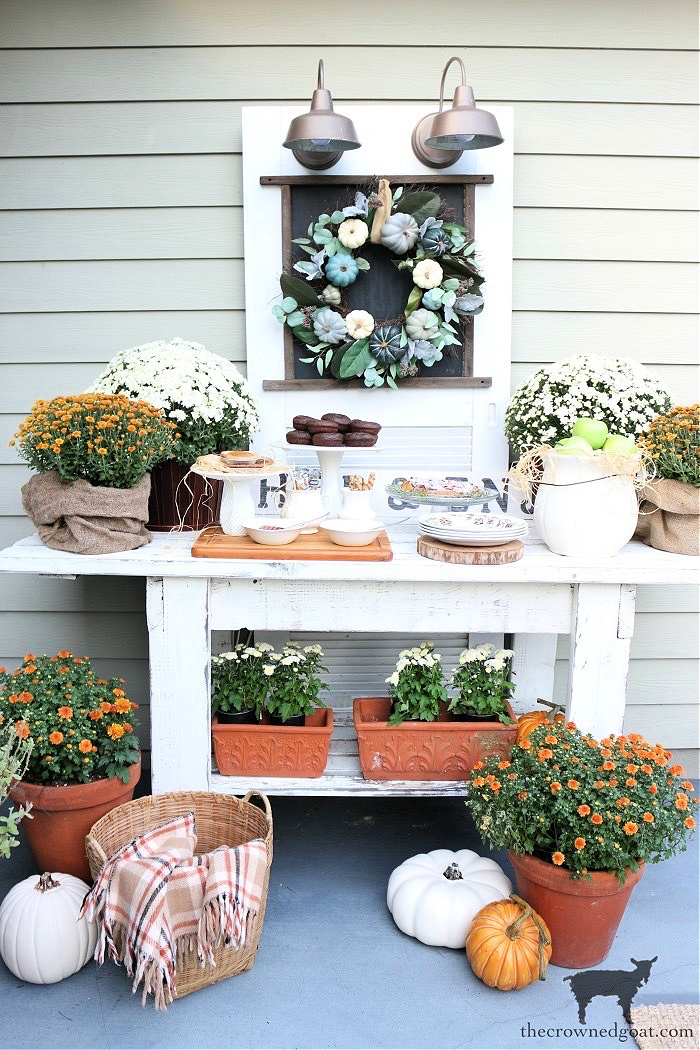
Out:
{"x": 120, "y": 177}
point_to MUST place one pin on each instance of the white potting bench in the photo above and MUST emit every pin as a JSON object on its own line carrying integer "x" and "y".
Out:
{"x": 187, "y": 598}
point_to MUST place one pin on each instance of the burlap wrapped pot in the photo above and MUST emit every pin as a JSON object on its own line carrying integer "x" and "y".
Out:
{"x": 669, "y": 516}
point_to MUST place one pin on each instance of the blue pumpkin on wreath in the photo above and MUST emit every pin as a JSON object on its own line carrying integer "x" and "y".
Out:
{"x": 349, "y": 344}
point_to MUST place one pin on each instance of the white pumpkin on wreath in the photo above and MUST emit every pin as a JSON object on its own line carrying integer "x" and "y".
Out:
{"x": 350, "y": 343}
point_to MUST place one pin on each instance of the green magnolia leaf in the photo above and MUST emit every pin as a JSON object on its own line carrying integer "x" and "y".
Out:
{"x": 299, "y": 290}
{"x": 421, "y": 205}
{"x": 356, "y": 359}
{"x": 413, "y": 301}
{"x": 336, "y": 360}
{"x": 304, "y": 335}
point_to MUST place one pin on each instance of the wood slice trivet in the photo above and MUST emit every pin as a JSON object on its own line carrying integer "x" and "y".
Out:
{"x": 437, "y": 550}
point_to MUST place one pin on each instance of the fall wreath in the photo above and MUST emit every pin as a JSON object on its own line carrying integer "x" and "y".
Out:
{"x": 348, "y": 343}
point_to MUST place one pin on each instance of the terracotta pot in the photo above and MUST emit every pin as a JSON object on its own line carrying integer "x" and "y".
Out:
{"x": 274, "y": 751}
{"x": 62, "y": 817}
{"x": 440, "y": 750}
{"x": 176, "y": 503}
{"x": 582, "y": 914}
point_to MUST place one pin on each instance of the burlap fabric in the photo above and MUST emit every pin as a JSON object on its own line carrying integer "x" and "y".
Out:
{"x": 669, "y": 516}
{"x": 87, "y": 519}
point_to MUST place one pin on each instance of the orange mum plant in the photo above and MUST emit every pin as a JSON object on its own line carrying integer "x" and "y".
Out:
{"x": 82, "y": 726}
{"x": 584, "y": 804}
{"x": 673, "y": 443}
{"x": 105, "y": 438}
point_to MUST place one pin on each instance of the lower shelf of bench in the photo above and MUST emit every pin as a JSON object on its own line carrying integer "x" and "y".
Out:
{"x": 342, "y": 776}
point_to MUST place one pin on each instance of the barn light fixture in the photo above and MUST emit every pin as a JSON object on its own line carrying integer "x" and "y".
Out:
{"x": 439, "y": 139}
{"x": 319, "y": 138}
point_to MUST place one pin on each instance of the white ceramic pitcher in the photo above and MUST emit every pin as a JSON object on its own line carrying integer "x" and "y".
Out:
{"x": 301, "y": 504}
{"x": 582, "y": 509}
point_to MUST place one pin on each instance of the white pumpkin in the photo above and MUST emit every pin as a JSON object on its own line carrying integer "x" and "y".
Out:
{"x": 353, "y": 233}
{"x": 435, "y": 896}
{"x": 359, "y": 324}
{"x": 42, "y": 940}
{"x": 427, "y": 274}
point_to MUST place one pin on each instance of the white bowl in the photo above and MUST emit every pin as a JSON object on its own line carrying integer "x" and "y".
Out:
{"x": 270, "y": 532}
{"x": 352, "y": 532}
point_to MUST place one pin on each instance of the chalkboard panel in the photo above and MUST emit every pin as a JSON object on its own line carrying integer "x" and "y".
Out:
{"x": 383, "y": 290}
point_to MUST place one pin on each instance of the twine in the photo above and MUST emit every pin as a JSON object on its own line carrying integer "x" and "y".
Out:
{"x": 527, "y": 473}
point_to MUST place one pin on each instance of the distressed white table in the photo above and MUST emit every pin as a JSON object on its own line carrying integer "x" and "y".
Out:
{"x": 544, "y": 594}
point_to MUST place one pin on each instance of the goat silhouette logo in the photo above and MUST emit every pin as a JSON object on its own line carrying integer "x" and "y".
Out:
{"x": 623, "y": 984}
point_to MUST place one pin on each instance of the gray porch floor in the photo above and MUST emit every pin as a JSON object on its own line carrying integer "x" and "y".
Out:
{"x": 334, "y": 971}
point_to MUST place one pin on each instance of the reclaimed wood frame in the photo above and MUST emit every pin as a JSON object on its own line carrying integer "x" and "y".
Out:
{"x": 287, "y": 183}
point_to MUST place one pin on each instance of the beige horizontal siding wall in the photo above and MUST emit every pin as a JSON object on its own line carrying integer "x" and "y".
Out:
{"x": 120, "y": 184}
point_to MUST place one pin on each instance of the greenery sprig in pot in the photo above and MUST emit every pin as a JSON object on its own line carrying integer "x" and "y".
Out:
{"x": 568, "y": 807}
{"x": 15, "y": 750}
{"x": 482, "y": 680}
{"x": 240, "y": 683}
{"x": 92, "y": 454}
{"x": 417, "y": 685}
{"x": 294, "y": 683}
{"x": 85, "y": 758}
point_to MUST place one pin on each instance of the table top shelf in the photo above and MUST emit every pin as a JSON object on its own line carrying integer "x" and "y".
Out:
{"x": 169, "y": 555}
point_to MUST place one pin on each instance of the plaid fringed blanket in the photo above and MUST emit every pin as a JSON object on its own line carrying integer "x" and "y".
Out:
{"x": 154, "y": 898}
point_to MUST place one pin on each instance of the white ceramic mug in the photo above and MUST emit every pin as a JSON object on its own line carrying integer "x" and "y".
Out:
{"x": 356, "y": 504}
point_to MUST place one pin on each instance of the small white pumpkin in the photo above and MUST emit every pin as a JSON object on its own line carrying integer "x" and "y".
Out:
{"x": 399, "y": 233}
{"x": 435, "y": 896}
{"x": 359, "y": 324}
{"x": 42, "y": 940}
{"x": 427, "y": 273}
{"x": 353, "y": 233}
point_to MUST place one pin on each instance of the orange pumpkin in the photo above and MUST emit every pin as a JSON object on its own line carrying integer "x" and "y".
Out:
{"x": 532, "y": 719}
{"x": 508, "y": 945}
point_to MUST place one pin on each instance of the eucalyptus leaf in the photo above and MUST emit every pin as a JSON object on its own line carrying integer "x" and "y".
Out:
{"x": 319, "y": 365}
{"x": 300, "y": 240}
{"x": 279, "y": 313}
{"x": 362, "y": 264}
{"x": 451, "y": 284}
{"x": 356, "y": 359}
{"x": 307, "y": 360}
{"x": 295, "y": 318}
{"x": 397, "y": 193}
{"x": 322, "y": 235}
{"x": 300, "y": 291}
{"x": 305, "y": 248}
{"x": 391, "y": 383}
{"x": 337, "y": 217}
{"x": 323, "y": 219}
{"x": 329, "y": 355}
{"x": 289, "y": 303}
{"x": 333, "y": 247}
{"x": 421, "y": 204}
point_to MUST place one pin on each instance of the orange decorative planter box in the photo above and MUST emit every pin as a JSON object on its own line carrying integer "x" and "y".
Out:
{"x": 441, "y": 750}
{"x": 263, "y": 750}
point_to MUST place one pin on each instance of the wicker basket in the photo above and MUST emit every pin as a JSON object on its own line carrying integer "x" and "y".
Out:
{"x": 221, "y": 820}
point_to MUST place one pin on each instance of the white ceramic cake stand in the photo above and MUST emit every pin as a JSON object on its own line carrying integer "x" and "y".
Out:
{"x": 329, "y": 459}
{"x": 237, "y": 503}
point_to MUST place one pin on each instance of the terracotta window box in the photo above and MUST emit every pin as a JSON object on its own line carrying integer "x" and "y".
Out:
{"x": 274, "y": 751}
{"x": 441, "y": 750}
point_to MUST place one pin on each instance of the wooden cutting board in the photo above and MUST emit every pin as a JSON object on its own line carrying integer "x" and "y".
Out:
{"x": 213, "y": 543}
{"x": 437, "y": 550}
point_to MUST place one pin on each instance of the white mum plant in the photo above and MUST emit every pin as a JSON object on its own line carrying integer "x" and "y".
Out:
{"x": 202, "y": 392}
{"x": 621, "y": 392}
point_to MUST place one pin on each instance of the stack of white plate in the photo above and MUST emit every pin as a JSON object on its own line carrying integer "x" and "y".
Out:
{"x": 473, "y": 530}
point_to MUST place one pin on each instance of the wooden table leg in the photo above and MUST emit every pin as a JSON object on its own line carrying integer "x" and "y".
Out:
{"x": 179, "y": 657}
{"x": 601, "y": 631}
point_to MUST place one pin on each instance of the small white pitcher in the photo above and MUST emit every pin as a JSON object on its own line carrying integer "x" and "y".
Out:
{"x": 301, "y": 505}
{"x": 356, "y": 504}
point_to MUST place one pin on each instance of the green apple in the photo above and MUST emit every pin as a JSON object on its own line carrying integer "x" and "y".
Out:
{"x": 620, "y": 443}
{"x": 574, "y": 446}
{"x": 594, "y": 431}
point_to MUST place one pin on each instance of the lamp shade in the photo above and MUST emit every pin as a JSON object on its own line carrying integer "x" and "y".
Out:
{"x": 320, "y": 137}
{"x": 440, "y": 138}
{"x": 464, "y": 126}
